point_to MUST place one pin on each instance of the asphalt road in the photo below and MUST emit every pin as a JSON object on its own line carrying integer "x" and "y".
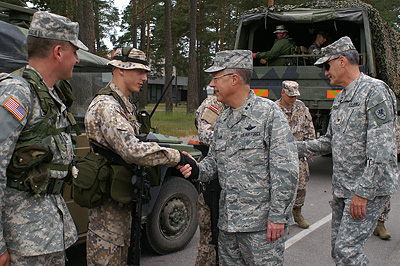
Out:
{"x": 309, "y": 247}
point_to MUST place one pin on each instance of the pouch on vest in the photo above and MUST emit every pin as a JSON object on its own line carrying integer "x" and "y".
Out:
{"x": 145, "y": 121}
{"x": 91, "y": 186}
{"x": 121, "y": 184}
{"x": 28, "y": 168}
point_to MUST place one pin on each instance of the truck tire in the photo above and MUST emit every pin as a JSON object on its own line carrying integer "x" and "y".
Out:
{"x": 173, "y": 220}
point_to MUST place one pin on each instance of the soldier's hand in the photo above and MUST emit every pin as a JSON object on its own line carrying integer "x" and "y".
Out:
{"x": 263, "y": 61}
{"x": 188, "y": 166}
{"x": 358, "y": 207}
{"x": 5, "y": 259}
{"x": 274, "y": 231}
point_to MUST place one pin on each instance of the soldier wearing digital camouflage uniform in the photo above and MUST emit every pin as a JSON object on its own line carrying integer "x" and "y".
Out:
{"x": 302, "y": 127}
{"x": 361, "y": 137}
{"x": 36, "y": 226}
{"x": 283, "y": 45}
{"x": 111, "y": 122}
{"x": 254, "y": 155}
{"x": 205, "y": 118}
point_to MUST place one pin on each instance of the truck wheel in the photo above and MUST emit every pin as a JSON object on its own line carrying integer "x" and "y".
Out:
{"x": 173, "y": 220}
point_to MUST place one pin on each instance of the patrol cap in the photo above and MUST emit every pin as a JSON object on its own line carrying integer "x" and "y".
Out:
{"x": 291, "y": 88}
{"x": 342, "y": 45}
{"x": 129, "y": 58}
{"x": 231, "y": 59}
{"x": 51, "y": 26}
{"x": 280, "y": 29}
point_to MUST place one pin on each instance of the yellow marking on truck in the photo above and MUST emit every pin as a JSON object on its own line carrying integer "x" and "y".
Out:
{"x": 260, "y": 92}
{"x": 331, "y": 94}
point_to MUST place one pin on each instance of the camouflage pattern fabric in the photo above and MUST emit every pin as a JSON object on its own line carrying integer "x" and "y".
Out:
{"x": 385, "y": 211}
{"x": 231, "y": 59}
{"x": 361, "y": 137}
{"x": 52, "y": 259}
{"x": 205, "y": 118}
{"x": 251, "y": 248}
{"x": 109, "y": 125}
{"x": 302, "y": 127}
{"x": 340, "y": 46}
{"x": 51, "y": 26}
{"x": 32, "y": 227}
{"x": 255, "y": 157}
{"x": 206, "y": 253}
{"x": 314, "y": 49}
{"x": 281, "y": 47}
{"x": 348, "y": 234}
{"x": 136, "y": 59}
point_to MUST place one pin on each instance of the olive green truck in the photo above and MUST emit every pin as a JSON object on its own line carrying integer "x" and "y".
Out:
{"x": 377, "y": 43}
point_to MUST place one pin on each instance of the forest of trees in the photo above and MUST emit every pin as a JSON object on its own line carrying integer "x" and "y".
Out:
{"x": 168, "y": 33}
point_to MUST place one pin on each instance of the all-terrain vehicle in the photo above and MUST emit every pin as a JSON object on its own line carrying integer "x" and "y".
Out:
{"x": 170, "y": 218}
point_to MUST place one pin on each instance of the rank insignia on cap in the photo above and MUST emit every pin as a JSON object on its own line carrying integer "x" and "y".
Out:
{"x": 15, "y": 108}
{"x": 381, "y": 113}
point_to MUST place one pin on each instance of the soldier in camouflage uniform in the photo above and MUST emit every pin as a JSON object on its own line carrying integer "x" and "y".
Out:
{"x": 36, "y": 229}
{"x": 108, "y": 124}
{"x": 254, "y": 155}
{"x": 315, "y": 48}
{"x": 283, "y": 45}
{"x": 361, "y": 137}
{"x": 205, "y": 118}
{"x": 302, "y": 127}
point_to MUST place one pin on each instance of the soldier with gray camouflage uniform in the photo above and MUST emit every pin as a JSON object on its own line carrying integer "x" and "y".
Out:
{"x": 254, "y": 155}
{"x": 115, "y": 128}
{"x": 302, "y": 127}
{"x": 36, "y": 226}
{"x": 361, "y": 137}
{"x": 205, "y": 118}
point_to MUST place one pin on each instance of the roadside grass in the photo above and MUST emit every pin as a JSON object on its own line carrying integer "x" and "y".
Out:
{"x": 178, "y": 123}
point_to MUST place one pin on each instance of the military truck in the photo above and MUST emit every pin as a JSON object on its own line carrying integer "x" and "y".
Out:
{"x": 377, "y": 43}
{"x": 170, "y": 218}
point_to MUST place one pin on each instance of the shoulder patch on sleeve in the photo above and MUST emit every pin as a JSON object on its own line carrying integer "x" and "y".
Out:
{"x": 210, "y": 116}
{"x": 15, "y": 108}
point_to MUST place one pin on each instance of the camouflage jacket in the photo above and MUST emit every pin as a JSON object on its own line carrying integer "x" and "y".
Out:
{"x": 205, "y": 118}
{"x": 107, "y": 124}
{"x": 302, "y": 127}
{"x": 361, "y": 137}
{"x": 314, "y": 49}
{"x": 255, "y": 157}
{"x": 282, "y": 46}
{"x": 32, "y": 227}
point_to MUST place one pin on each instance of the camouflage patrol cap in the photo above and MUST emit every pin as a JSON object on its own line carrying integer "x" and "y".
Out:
{"x": 291, "y": 88}
{"x": 231, "y": 59}
{"x": 51, "y": 26}
{"x": 342, "y": 45}
{"x": 280, "y": 29}
{"x": 129, "y": 58}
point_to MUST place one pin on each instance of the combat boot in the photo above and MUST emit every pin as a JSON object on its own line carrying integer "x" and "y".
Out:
{"x": 381, "y": 231}
{"x": 299, "y": 219}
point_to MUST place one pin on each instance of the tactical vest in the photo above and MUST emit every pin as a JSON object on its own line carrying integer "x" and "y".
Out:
{"x": 143, "y": 118}
{"x": 30, "y": 165}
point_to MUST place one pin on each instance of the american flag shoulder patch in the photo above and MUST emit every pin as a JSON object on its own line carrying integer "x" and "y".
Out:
{"x": 15, "y": 108}
{"x": 215, "y": 109}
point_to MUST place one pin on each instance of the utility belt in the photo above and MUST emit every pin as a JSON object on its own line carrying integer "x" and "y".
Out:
{"x": 102, "y": 174}
{"x": 55, "y": 186}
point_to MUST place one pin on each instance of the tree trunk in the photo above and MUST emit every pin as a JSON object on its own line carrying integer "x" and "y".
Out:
{"x": 86, "y": 27}
{"x": 143, "y": 93}
{"x": 192, "y": 98}
{"x": 134, "y": 22}
{"x": 168, "y": 56}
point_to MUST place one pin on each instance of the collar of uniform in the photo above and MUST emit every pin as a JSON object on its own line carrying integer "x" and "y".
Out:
{"x": 245, "y": 110}
{"x": 351, "y": 89}
{"x": 127, "y": 103}
{"x": 284, "y": 109}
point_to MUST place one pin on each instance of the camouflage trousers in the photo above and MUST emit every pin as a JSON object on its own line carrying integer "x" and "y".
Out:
{"x": 348, "y": 234}
{"x": 250, "y": 248}
{"x": 206, "y": 255}
{"x": 385, "y": 211}
{"x": 304, "y": 173}
{"x": 108, "y": 236}
{"x": 52, "y": 259}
